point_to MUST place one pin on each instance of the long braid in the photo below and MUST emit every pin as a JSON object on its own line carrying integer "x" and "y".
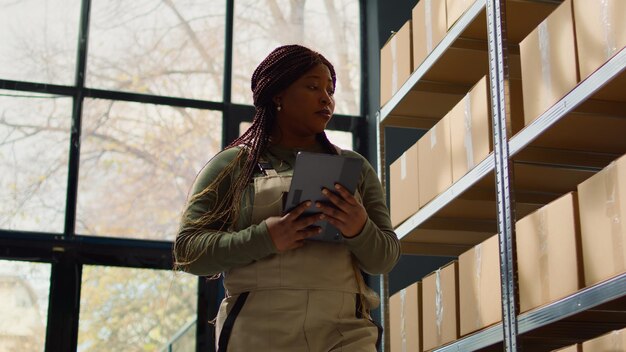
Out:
{"x": 276, "y": 72}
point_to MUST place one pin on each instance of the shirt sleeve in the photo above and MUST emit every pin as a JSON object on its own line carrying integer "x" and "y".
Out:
{"x": 211, "y": 249}
{"x": 376, "y": 248}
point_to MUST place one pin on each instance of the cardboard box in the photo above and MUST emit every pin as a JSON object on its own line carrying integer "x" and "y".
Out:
{"x": 480, "y": 300}
{"x": 440, "y": 302}
{"x": 435, "y": 161}
{"x": 602, "y": 200}
{"x": 600, "y": 32}
{"x": 548, "y": 253}
{"x": 455, "y": 9}
{"x": 572, "y": 348}
{"x": 405, "y": 319}
{"x": 396, "y": 62}
{"x": 548, "y": 61}
{"x": 611, "y": 342}
{"x": 429, "y": 27}
{"x": 470, "y": 131}
{"x": 403, "y": 181}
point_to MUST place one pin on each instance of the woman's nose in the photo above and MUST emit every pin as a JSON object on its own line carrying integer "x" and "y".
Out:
{"x": 325, "y": 98}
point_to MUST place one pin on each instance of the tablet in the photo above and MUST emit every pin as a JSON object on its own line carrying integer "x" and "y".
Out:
{"x": 314, "y": 171}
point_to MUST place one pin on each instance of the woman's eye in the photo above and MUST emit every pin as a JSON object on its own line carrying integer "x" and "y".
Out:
{"x": 312, "y": 87}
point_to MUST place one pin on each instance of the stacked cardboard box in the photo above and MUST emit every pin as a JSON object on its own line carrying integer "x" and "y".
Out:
{"x": 479, "y": 286}
{"x": 611, "y": 342}
{"x": 403, "y": 186}
{"x": 603, "y": 223}
{"x": 428, "y": 19}
{"x": 600, "y": 32}
{"x": 396, "y": 62}
{"x": 548, "y": 60}
{"x": 435, "y": 164}
{"x": 455, "y": 9}
{"x": 548, "y": 253}
{"x": 440, "y": 302}
{"x": 405, "y": 319}
{"x": 470, "y": 130}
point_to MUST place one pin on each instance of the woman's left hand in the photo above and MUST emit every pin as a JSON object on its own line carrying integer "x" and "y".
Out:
{"x": 347, "y": 214}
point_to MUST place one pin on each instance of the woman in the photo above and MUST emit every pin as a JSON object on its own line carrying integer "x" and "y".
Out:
{"x": 284, "y": 293}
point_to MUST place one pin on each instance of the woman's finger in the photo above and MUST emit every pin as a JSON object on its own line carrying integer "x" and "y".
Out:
{"x": 299, "y": 210}
{"x": 330, "y": 211}
{"x": 310, "y": 232}
{"x": 345, "y": 194}
{"x": 338, "y": 201}
{"x": 306, "y": 221}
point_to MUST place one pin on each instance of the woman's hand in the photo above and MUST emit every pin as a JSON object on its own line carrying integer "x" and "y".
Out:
{"x": 347, "y": 214}
{"x": 289, "y": 231}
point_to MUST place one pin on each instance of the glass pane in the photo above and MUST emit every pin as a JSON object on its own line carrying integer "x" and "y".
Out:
{"x": 330, "y": 27}
{"x": 341, "y": 139}
{"x": 34, "y": 149}
{"x": 24, "y": 288}
{"x": 243, "y": 127}
{"x": 170, "y": 48}
{"x": 124, "y": 309}
{"x": 39, "y": 40}
{"x": 137, "y": 164}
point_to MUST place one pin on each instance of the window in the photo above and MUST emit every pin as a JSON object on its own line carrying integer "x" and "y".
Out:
{"x": 34, "y": 143}
{"x": 39, "y": 40}
{"x": 138, "y": 162}
{"x": 134, "y": 309}
{"x": 24, "y": 288}
{"x": 168, "y": 48}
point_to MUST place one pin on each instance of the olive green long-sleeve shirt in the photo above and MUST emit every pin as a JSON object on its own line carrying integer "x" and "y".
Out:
{"x": 376, "y": 248}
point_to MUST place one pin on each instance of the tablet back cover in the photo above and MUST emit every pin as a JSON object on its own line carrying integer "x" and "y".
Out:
{"x": 314, "y": 171}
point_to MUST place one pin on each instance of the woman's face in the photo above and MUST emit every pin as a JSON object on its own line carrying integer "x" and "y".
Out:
{"x": 307, "y": 104}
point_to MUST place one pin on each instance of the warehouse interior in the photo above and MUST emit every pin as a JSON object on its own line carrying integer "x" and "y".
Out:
{"x": 496, "y": 128}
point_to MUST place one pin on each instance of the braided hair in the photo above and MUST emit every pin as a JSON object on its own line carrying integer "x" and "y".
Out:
{"x": 282, "y": 67}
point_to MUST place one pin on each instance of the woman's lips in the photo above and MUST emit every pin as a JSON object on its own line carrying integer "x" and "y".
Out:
{"x": 325, "y": 113}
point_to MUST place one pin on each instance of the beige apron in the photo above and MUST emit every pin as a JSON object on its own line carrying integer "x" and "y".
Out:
{"x": 301, "y": 300}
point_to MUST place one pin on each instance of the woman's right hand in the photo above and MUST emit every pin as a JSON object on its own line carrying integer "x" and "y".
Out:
{"x": 289, "y": 231}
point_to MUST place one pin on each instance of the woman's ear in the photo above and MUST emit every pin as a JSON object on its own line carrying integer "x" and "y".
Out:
{"x": 277, "y": 98}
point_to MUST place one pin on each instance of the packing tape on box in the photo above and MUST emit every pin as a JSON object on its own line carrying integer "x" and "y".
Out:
{"x": 469, "y": 143}
{"x": 544, "y": 49}
{"x": 544, "y": 274}
{"x": 478, "y": 255}
{"x": 433, "y": 137}
{"x": 438, "y": 304}
{"x": 428, "y": 23}
{"x": 403, "y": 166}
{"x": 609, "y": 31}
{"x": 402, "y": 318}
{"x": 394, "y": 64}
{"x": 613, "y": 213}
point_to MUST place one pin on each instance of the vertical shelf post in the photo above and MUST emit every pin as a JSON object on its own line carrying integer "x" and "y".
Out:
{"x": 384, "y": 279}
{"x": 499, "y": 85}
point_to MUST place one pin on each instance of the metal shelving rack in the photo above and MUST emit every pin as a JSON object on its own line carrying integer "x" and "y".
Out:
{"x": 500, "y": 163}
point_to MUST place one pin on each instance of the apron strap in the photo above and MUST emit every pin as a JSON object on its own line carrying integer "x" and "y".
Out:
{"x": 359, "y": 315}
{"x": 227, "y": 329}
